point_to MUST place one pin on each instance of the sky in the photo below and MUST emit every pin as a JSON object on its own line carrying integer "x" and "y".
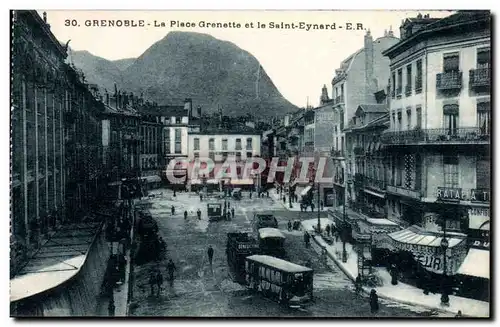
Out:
{"x": 299, "y": 62}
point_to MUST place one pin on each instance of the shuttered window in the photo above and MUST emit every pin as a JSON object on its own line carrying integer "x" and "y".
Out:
{"x": 482, "y": 173}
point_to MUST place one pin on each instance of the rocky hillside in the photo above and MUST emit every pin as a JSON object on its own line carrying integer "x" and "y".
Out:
{"x": 212, "y": 72}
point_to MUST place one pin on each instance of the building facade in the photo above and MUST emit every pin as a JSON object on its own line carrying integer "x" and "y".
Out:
{"x": 361, "y": 79}
{"x": 55, "y": 137}
{"x": 438, "y": 141}
{"x": 235, "y": 145}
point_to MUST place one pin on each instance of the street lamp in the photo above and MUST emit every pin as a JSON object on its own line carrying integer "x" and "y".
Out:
{"x": 344, "y": 253}
{"x": 290, "y": 196}
{"x": 444, "y": 246}
{"x": 319, "y": 211}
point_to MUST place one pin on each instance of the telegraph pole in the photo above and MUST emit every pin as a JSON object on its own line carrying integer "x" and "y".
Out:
{"x": 319, "y": 212}
{"x": 344, "y": 253}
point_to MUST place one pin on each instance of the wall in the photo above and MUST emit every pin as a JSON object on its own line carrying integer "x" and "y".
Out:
{"x": 204, "y": 144}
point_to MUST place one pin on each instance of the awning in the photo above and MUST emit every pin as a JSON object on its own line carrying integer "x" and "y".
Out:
{"x": 305, "y": 191}
{"x": 374, "y": 193}
{"x": 152, "y": 179}
{"x": 476, "y": 264}
{"x": 247, "y": 181}
{"x": 425, "y": 246}
{"x": 415, "y": 236}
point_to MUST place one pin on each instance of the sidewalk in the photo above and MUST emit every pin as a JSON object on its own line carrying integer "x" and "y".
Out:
{"x": 295, "y": 205}
{"x": 121, "y": 292}
{"x": 402, "y": 292}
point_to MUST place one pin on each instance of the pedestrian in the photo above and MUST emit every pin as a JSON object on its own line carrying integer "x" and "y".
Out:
{"x": 159, "y": 282}
{"x": 312, "y": 207}
{"x": 307, "y": 239}
{"x": 210, "y": 253}
{"x": 170, "y": 269}
{"x": 198, "y": 212}
{"x": 152, "y": 282}
{"x": 289, "y": 226}
{"x": 357, "y": 284}
{"x": 267, "y": 193}
{"x": 185, "y": 214}
{"x": 201, "y": 197}
{"x": 301, "y": 207}
{"x": 327, "y": 229}
{"x": 459, "y": 314}
{"x": 321, "y": 205}
{"x": 324, "y": 256}
{"x": 250, "y": 194}
{"x": 111, "y": 306}
{"x": 228, "y": 204}
{"x": 232, "y": 213}
{"x": 173, "y": 210}
{"x": 373, "y": 301}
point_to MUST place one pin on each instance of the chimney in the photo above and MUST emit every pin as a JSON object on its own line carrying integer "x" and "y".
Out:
{"x": 45, "y": 17}
{"x": 199, "y": 111}
{"x": 368, "y": 66}
{"x": 107, "y": 96}
{"x": 188, "y": 105}
{"x": 141, "y": 100}
{"x": 125, "y": 99}
{"x": 390, "y": 33}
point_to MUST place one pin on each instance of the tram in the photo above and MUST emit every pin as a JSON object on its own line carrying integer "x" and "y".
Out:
{"x": 285, "y": 282}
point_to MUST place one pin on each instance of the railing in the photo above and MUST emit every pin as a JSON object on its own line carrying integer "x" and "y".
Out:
{"x": 474, "y": 135}
{"x": 418, "y": 84}
{"x": 403, "y": 191}
{"x": 399, "y": 90}
{"x": 337, "y": 153}
{"x": 359, "y": 151}
{"x": 479, "y": 77}
{"x": 359, "y": 178}
{"x": 408, "y": 90}
{"x": 451, "y": 80}
{"x": 374, "y": 183}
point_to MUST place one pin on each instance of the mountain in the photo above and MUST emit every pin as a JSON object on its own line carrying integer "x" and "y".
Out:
{"x": 97, "y": 70}
{"x": 123, "y": 64}
{"x": 212, "y": 72}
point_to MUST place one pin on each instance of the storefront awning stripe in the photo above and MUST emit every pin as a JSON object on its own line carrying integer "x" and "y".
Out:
{"x": 304, "y": 191}
{"x": 476, "y": 264}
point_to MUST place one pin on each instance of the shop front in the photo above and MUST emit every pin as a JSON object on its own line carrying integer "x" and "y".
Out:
{"x": 421, "y": 256}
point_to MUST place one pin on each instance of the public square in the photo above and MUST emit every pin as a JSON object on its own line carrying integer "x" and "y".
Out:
{"x": 201, "y": 291}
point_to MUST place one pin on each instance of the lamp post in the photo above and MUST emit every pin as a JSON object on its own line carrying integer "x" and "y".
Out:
{"x": 319, "y": 212}
{"x": 290, "y": 196}
{"x": 344, "y": 253}
{"x": 445, "y": 300}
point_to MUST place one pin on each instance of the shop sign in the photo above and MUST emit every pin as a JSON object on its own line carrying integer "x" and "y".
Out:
{"x": 481, "y": 244}
{"x": 430, "y": 262}
{"x": 457, "y": 194}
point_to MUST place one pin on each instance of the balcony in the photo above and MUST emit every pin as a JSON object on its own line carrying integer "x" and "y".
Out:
{"x": 338, "y": 179}
{"x": 338, "y": 100}
{"x": 408, "y": 90}
{"x": 398, "y": 190}
{"x": 359, "y": 151}
{"x": 479, "y": 77}
{"x": 418, "y": 85}
{"x": 451, "y": 80}
{"x": 399, "y": 90}
{"x": 359, "y": 179}
{"x": 466, "y": 135}
{"x": 374, "y": 183}
{"x": 337, "y": 154}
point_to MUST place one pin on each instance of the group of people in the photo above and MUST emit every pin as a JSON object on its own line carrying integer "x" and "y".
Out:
{"x": 156, "y": 278}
